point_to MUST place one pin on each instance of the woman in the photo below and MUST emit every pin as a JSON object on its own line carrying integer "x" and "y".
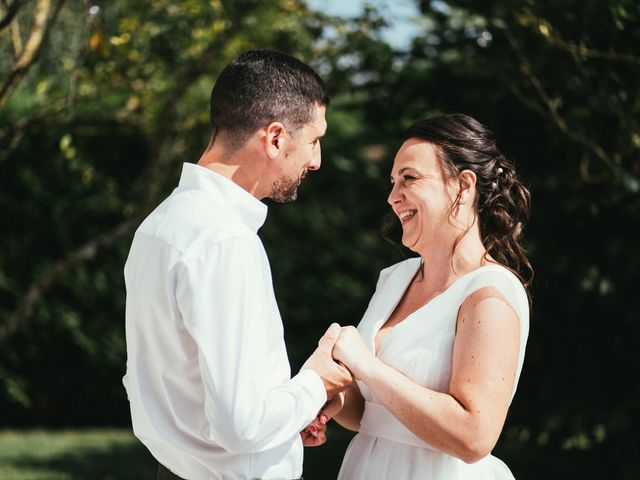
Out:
{"x": 440, "y": 348}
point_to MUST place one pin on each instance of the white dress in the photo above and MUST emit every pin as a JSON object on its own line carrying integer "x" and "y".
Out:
{"x": 421, "y": 347}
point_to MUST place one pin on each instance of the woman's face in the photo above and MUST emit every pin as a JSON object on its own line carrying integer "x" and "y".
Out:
{"x": 421, "y": 196}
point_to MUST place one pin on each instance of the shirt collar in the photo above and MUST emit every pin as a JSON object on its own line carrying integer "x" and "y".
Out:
{"x": 251, "y": 210}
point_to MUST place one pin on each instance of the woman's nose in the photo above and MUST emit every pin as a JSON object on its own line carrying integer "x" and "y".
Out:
{"x": 394, "y": 195}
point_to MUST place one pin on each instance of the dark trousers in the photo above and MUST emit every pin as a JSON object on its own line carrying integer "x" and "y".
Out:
{"x": 165, "y": 474}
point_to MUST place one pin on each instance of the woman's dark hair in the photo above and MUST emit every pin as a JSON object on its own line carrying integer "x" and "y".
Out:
{"x": 502, "y": 201}
{"x": 263, "y": 86}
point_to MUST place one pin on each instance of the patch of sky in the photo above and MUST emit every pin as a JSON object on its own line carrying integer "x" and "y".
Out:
{"x": 402, "y": 16}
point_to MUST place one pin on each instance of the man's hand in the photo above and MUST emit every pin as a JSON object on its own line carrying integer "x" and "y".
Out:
{"x": 335, "y": 377}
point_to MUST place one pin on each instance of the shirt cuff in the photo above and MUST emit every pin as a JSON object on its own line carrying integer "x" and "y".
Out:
{"x": 313, "y": 385}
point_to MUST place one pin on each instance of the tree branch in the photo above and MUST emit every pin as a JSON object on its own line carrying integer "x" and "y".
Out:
{"x": 156, "y": 170}
{"x": 551, "y": 107}
{"x": 80, "y": 55}
{"x": 16, "y": 38}
{"x": 56, "y": 118}
{"x": 582, "y": 51}
{"x": 10, "y": 13}
{"x": 37, "y": 289}
{"x": 155, "y": 175}
{"x": 551, "y": 35}
{"x": 526, "y": 101}
{"x": 41, "y": 22}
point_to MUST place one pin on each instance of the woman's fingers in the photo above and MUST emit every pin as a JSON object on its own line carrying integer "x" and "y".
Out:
{"x": 331, "y": 408}
{"x": 314, "y": 434}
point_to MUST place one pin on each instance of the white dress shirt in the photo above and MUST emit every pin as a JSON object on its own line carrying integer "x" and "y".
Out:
{"x": 208, "y": 377}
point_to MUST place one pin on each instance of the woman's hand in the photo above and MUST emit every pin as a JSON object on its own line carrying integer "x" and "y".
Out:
{"x": 351, "y": 350}
{"x": 331, "y": 408}
{"x": 314, "y": 434}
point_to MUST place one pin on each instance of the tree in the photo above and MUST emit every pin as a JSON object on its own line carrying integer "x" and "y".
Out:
{"x": 559, "y": 87}
{"x": 95, "y": 135}
{"x": 95, "y": 130}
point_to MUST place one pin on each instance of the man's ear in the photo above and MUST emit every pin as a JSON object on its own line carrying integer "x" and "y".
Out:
{"x": 274, "y": 139}
{"x": 467, "y": 180}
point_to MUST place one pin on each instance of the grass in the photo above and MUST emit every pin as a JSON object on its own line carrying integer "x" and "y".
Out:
{"x": 115, "y": 454}
{"x": 92, "y": 454}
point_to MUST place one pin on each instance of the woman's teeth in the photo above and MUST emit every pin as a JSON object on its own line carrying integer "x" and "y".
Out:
{"x": 406, "y": 214}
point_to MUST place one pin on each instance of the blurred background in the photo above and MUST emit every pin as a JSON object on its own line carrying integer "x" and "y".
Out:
{"x": 102, "y": 101}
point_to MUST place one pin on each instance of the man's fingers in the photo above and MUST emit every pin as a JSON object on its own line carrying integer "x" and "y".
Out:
{"x": 330, "y": 336}
{"x": 344, "y": 370}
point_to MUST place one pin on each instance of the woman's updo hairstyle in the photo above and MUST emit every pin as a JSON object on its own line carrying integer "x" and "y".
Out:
{"x": 502, "y": 201}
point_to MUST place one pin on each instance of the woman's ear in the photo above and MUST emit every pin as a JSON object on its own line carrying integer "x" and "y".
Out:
{"x": 467, "y": 181}
{"x": 274, "y": 139}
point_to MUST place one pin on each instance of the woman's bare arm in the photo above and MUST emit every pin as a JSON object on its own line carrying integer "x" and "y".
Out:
{"x": 467, "y": 420}
{"x": 353, "y": 408}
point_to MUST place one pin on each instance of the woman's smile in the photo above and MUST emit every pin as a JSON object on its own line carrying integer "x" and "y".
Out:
{"x": 406, "y": 216}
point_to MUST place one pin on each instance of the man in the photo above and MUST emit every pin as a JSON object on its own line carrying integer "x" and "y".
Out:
{"x": 208, "y": 377}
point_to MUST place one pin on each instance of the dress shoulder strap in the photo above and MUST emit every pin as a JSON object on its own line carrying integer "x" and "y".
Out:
{"x": 510, "y": 286}
{"x": 507, "y": 284}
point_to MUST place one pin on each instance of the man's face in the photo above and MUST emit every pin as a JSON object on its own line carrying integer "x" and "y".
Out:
{"x": 302, "y": 153}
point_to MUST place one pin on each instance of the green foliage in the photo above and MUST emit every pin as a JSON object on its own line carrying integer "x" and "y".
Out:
{"x": 96, "y": 133}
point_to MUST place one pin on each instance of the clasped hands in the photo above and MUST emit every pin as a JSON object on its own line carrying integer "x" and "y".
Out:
{"x": 341, "y": 357}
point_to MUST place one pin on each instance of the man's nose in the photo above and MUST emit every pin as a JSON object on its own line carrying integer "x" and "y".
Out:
{"x": 317, "y": 160}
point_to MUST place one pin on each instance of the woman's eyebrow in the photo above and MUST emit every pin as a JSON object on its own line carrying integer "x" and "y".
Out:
{"x": 401, "y": 171}
{"x": 416, "y": 170}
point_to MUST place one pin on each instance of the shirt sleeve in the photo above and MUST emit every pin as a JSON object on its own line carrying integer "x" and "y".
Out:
{"x": 226, "y": 298}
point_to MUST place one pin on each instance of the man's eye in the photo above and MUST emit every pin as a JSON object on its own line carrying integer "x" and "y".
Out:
{"x": 408, "y": 178}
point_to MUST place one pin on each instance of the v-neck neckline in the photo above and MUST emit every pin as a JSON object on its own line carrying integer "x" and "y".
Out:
{"x": 402, "y": 293}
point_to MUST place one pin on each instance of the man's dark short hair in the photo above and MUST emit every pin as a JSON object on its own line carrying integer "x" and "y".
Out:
{"x": 260, "y": 87}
